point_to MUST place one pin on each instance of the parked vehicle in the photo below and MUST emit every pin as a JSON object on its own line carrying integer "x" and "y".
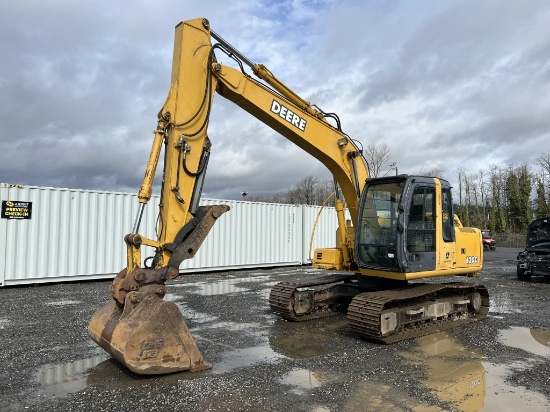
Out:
{"x": 488, "y": 241}
{"x": 535, "y": 259}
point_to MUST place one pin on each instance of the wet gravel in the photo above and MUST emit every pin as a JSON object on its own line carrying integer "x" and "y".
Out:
{"x": 262, "y": 363}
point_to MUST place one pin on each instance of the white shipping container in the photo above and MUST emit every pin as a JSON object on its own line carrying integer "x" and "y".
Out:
{"x": 77, "y": 234}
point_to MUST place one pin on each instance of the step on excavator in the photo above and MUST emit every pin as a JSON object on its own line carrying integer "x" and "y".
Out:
{"x": 400, "y": 228}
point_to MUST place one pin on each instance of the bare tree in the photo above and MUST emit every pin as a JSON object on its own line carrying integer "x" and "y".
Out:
{"x": 499, "y": 202}
{"x": 544, "y": 161}
{"x": 485, "y": 208}
{"x": 378, "y": 158}
{"x": 323, "y": 190}
{"x": 476, "y": 218}
{"x": 461, "y": 173}
{"x": 433, "y": 172}
{"x": 304, "y": 192}
{"x": 468, "y": 195}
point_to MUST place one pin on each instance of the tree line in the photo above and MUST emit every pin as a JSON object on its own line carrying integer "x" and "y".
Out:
{"x": 505, "y": 199}
{"x": 502, "y": 199}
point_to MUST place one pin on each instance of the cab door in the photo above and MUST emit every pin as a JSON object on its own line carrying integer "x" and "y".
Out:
{"x": 420, "y": 228}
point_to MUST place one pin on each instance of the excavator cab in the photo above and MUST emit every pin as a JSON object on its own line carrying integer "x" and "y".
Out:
{"x": 406, "y": 228}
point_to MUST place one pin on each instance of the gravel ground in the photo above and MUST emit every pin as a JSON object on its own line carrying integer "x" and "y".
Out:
{"x": 262, "y": 363}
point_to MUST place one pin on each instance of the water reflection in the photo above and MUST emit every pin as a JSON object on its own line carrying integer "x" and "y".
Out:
{"x": 535, "y": 341}
{"x": 541, "y": 336}
{"x": 64, "y": 302}
{"x": 65, "y": 378}
{"x": 374, "y": 396}
{"x": 302, "y": 379}
{"x": 193, "y": 316}
{"x": 460, "y": 376}
{"x": 222, "y": 287}
{"x": 454, "y": 373}
{"x": 239, "y": 358}
{"x": 236, "y": 326}
{"x": 299, "y": 340}
{"x": 502, "y": 396}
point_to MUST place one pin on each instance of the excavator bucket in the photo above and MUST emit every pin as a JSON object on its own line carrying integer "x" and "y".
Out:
{"x": 137, "y": 327}
{"x": 149, "y": 337}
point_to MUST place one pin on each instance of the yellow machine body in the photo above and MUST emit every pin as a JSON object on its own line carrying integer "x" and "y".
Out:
{"x": 148, "y": 334}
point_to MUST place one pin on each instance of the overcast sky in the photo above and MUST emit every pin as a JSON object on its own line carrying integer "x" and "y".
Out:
{"x": 445, "y": 84}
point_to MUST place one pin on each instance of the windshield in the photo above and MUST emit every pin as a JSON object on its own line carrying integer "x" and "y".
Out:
{"x": 376, "y": 243}
{"x": 544, "y": 245}
{"x": 485, "y": 234}
{"x": 538, "y": 232}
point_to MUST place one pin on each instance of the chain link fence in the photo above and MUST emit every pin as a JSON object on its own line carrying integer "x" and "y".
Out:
{"x": 509, "y": 240}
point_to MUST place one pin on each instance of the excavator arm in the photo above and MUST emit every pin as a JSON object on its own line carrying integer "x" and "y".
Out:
{"x": 139, "y": 328}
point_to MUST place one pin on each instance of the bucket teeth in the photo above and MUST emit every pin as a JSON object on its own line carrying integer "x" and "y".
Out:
{"x": 149, "y": 337}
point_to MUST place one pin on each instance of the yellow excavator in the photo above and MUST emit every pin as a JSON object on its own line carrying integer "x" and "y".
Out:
{"x": 402, "y": 228}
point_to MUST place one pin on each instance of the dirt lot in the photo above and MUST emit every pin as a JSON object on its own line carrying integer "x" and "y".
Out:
{"x": 262, "y": 363}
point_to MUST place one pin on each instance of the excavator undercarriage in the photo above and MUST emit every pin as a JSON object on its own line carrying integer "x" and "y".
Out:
{"x": 384, "y": 316}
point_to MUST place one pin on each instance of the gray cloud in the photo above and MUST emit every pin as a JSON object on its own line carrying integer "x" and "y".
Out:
{"x": 444, "y": 84}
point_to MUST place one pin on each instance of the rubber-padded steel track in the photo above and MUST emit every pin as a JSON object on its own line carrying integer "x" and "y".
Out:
{"x": 365, "y": 310}
{"x": 281, "y": 298}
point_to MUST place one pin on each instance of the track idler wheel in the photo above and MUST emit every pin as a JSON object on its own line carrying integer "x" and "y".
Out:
{"x": 147, "y": 335}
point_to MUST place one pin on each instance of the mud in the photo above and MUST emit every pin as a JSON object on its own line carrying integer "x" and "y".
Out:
{"x": 261, "y": 363}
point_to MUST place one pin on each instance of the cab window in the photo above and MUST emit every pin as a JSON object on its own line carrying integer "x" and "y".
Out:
{"x": 421, "y": 226}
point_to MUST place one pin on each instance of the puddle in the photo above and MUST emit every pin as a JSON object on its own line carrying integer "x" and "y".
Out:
{"x": 66, "y": 378}
{"x": 302, "y": 380}
{"x": 256, "y": 279}
{"x": 4, "y": 322}
{"x": 239, "y": 358}
{"x": 64, "y": 302}
{"x": 542, "y": 336}
{"x": 236, "y": 326}
{"x": 502, "y": 303}
{"x": 194, "y": 316}
{"x": 222, "y": 287}
{"x": 226, "y": 286}
{"x": 458, "y": 375}
{"x": 62, "y": 379}
{"x": 374, "y": 396}
{"x": 455, "y": 374}
{"x": 535, "y": 341}
{"x": 187, "y": 312}
{"x": 299, "y": 340}
{"x": 501, "y": 396}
